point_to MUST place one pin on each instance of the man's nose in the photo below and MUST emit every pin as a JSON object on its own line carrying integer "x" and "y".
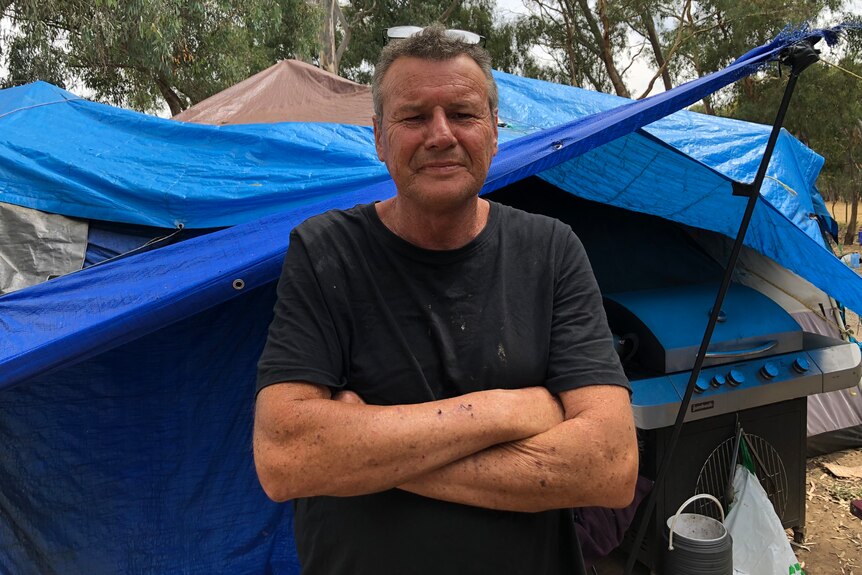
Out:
{"x": 439, "y": 133}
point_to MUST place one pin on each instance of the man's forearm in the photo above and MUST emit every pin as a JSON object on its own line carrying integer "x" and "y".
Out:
{"x": 590, "y": 459}
{"x": 315, "y": 446}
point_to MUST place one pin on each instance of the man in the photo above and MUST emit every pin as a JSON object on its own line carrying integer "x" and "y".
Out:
{"x": 439, "y": 382}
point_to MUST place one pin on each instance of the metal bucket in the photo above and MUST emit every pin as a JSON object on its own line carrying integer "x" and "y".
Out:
{"x": 697, "y": 544}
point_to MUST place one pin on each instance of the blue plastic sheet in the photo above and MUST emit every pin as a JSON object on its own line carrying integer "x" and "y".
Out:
{"x": 138, "y": 460}
{"x": 66, "y": 155}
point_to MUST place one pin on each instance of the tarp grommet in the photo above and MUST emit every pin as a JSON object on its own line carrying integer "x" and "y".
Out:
{"x": 238, "y": 284}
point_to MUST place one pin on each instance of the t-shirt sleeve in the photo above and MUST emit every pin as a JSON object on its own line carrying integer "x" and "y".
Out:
{"x": 581, "y": 349}
{"x": 303, "y": 343}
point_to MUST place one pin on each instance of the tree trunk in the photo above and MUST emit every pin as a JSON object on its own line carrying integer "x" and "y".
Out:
{"x": 345, "y": 38}
{"x": 608, "y": 54}
{"x": 654, "y": 41}
{"x": 171, "y": 97}
{"x": 854, "y": 197}
{"x": 707, "y": 100}
{"x": 850, "y": 236}
{"x": 571, "y": 52}
{"x": 327, "y": 37}
{"x": 602, "y": 39}
{"x": 707, "y": 106}
{"x": 444, "y": 17}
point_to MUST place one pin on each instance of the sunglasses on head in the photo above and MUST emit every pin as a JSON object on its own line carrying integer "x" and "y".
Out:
{"x": 401, "y": 32}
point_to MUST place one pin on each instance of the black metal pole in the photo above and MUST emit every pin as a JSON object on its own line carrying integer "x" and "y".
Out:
{"x": 798, "y": 57}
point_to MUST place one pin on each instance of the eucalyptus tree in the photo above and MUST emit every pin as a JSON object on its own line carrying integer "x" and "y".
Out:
{"x": 145, "y": 53}
{"x": 583, "y": 41}
{"x": 712, "y": 33}
{"x": 595, "y": 43}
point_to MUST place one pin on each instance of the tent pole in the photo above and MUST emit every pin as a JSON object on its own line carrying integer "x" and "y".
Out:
{"x": 798, "y": 56}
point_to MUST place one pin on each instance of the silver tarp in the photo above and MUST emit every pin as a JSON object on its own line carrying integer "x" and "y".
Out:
{"x": 37, "y": 246}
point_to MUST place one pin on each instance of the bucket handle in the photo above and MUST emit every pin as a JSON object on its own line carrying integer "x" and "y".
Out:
{"x": 686, "y": 504}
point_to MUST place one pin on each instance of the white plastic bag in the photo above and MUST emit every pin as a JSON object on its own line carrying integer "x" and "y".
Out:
{"x": 760, "y": 545}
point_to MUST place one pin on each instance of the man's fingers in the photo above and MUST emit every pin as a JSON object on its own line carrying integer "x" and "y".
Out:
{"x": 348, "y": 397}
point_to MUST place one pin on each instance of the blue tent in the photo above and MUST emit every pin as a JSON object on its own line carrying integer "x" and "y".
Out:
{"x": 127, "y": 387}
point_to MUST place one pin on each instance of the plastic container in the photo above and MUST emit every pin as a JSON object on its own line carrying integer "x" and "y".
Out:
{"x": 697, "y": 544}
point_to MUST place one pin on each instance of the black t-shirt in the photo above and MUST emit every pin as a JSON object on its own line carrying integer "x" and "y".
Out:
{"x": 359, "y": 308}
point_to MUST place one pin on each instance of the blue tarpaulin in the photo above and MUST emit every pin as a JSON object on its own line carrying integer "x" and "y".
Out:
{"x": 126, "y": 389}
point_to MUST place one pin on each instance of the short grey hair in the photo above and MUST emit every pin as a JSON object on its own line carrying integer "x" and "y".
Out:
{"x": 432, "y": 43}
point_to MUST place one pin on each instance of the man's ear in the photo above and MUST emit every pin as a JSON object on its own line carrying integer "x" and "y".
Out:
{"x": 378, "y": 135}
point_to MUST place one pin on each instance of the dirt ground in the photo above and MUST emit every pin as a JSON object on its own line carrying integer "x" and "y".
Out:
{"x": 833, "y": 538}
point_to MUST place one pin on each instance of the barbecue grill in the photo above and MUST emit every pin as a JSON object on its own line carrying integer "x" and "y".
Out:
{"x": 759, "y": 355}
{"x": 757, "y": 373}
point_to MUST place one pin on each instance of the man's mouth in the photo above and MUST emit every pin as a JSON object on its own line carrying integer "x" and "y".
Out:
{"x": 441, "y": 167}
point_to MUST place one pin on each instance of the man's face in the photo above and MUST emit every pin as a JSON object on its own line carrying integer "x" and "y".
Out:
{"x": 437, "y": 134}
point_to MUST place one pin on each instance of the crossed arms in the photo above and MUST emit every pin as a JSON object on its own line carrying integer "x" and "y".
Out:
{"x": 517, "y": 450}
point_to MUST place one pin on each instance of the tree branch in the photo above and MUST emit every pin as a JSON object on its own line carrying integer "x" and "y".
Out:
{"x": 686, "y": 9}
{"x": 449, "y": 10}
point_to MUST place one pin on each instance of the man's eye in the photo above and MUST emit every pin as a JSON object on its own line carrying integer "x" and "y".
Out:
{"x": 462, "y": 116}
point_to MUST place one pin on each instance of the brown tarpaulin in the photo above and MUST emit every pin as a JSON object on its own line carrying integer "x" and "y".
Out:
{"x": 289, "y": 91}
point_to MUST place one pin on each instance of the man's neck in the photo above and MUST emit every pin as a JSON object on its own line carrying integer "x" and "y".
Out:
{"x": 443, "y": 230}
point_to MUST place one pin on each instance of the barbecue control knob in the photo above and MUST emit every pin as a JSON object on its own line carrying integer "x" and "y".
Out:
{"x": 735, "y": 377}
{"x": 801, "y": 365}
{"x": 769, "y": 371}
{"x": 700, "y": 385}
{"x": 717, "y": 380}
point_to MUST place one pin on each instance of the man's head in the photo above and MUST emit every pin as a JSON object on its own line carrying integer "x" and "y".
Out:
{"x": 432, "y": 43}
{"x": 436, "y": 120}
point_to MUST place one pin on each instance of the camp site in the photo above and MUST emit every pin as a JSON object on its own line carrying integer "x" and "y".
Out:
{"x": 138, "y": 270}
